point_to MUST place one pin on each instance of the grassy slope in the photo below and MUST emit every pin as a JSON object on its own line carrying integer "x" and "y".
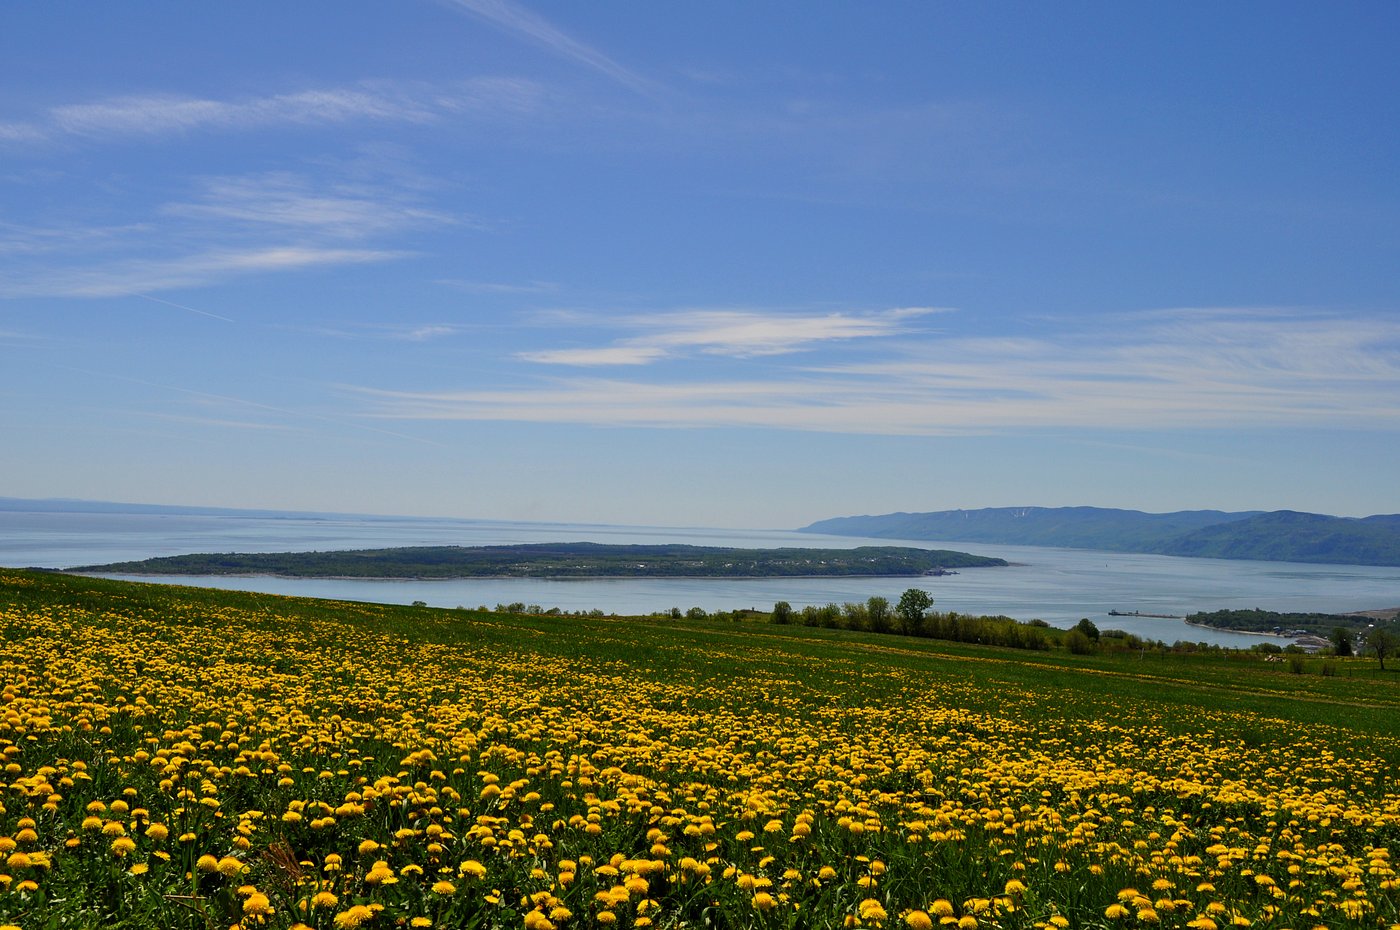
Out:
{"x": 725, "y": 718}
{"x": 1353, "y": 699}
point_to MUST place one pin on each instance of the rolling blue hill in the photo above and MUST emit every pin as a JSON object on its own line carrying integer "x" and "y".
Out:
{"x": 1282, "y": 536}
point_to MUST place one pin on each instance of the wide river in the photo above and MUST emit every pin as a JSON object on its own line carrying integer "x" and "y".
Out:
{"x": 1057, "y": 585}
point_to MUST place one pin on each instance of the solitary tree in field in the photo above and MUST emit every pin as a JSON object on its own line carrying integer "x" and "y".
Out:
{"x": 1382, "y": 644}
{"x": 782, "y": 612}
{"x": 912, "y": 606}
{"x": 1341, "y": 642}
{"x": 1089, "y": 628}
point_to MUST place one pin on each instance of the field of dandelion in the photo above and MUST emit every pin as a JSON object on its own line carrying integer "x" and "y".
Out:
{"x": 196, "y": 759}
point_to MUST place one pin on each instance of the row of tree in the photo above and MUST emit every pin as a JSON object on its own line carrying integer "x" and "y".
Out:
{"x": 911, "y": 616}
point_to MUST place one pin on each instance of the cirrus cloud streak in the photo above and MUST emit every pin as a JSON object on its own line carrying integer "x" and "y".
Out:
{"x": 1215, "y": 369}
{"x": 123, "y": 279}
{"x": 167, "y": 114}
{"x": 733, "y": 333}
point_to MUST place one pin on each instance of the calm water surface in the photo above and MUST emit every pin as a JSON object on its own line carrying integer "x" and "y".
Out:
{"x": 1057, "y": 585}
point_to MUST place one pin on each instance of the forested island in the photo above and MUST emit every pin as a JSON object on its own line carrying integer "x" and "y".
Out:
{"x": 560, "y": 560}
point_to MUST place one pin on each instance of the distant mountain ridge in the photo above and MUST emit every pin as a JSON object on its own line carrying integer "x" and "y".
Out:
{"x": 1277, "y": 536}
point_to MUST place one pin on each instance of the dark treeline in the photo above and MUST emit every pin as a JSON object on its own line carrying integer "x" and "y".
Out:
{"x": 911, "y": 617}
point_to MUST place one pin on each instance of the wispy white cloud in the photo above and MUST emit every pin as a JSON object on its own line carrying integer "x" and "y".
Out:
{"x": 231, "y": 226}
{"x": 132, "y": 277}
{"x": 165, "y": 113}
{"x": 427, "y": 332}
{"x": 512, "y": 17}
{"x": 1217, "y": 370}
{"x": 371, "y": 101}
{"x": 290, "y": 201}
{"x": 732, "y": 333}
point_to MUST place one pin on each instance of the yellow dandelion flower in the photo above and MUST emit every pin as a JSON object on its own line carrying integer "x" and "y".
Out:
{"x": 380, "y": 874}
{"x": 353, "y": 917}
{"x": 870, "y": 909}
{"x": 534, "y": 920}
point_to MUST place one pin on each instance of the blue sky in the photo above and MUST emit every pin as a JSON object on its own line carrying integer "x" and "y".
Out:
{"x": 724, "y": 264}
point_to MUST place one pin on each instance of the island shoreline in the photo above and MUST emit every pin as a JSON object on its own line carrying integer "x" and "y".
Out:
{"x": 381, "y": 578}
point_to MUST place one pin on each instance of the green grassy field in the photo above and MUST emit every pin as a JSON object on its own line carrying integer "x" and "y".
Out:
{"x": 179, "y": 757}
